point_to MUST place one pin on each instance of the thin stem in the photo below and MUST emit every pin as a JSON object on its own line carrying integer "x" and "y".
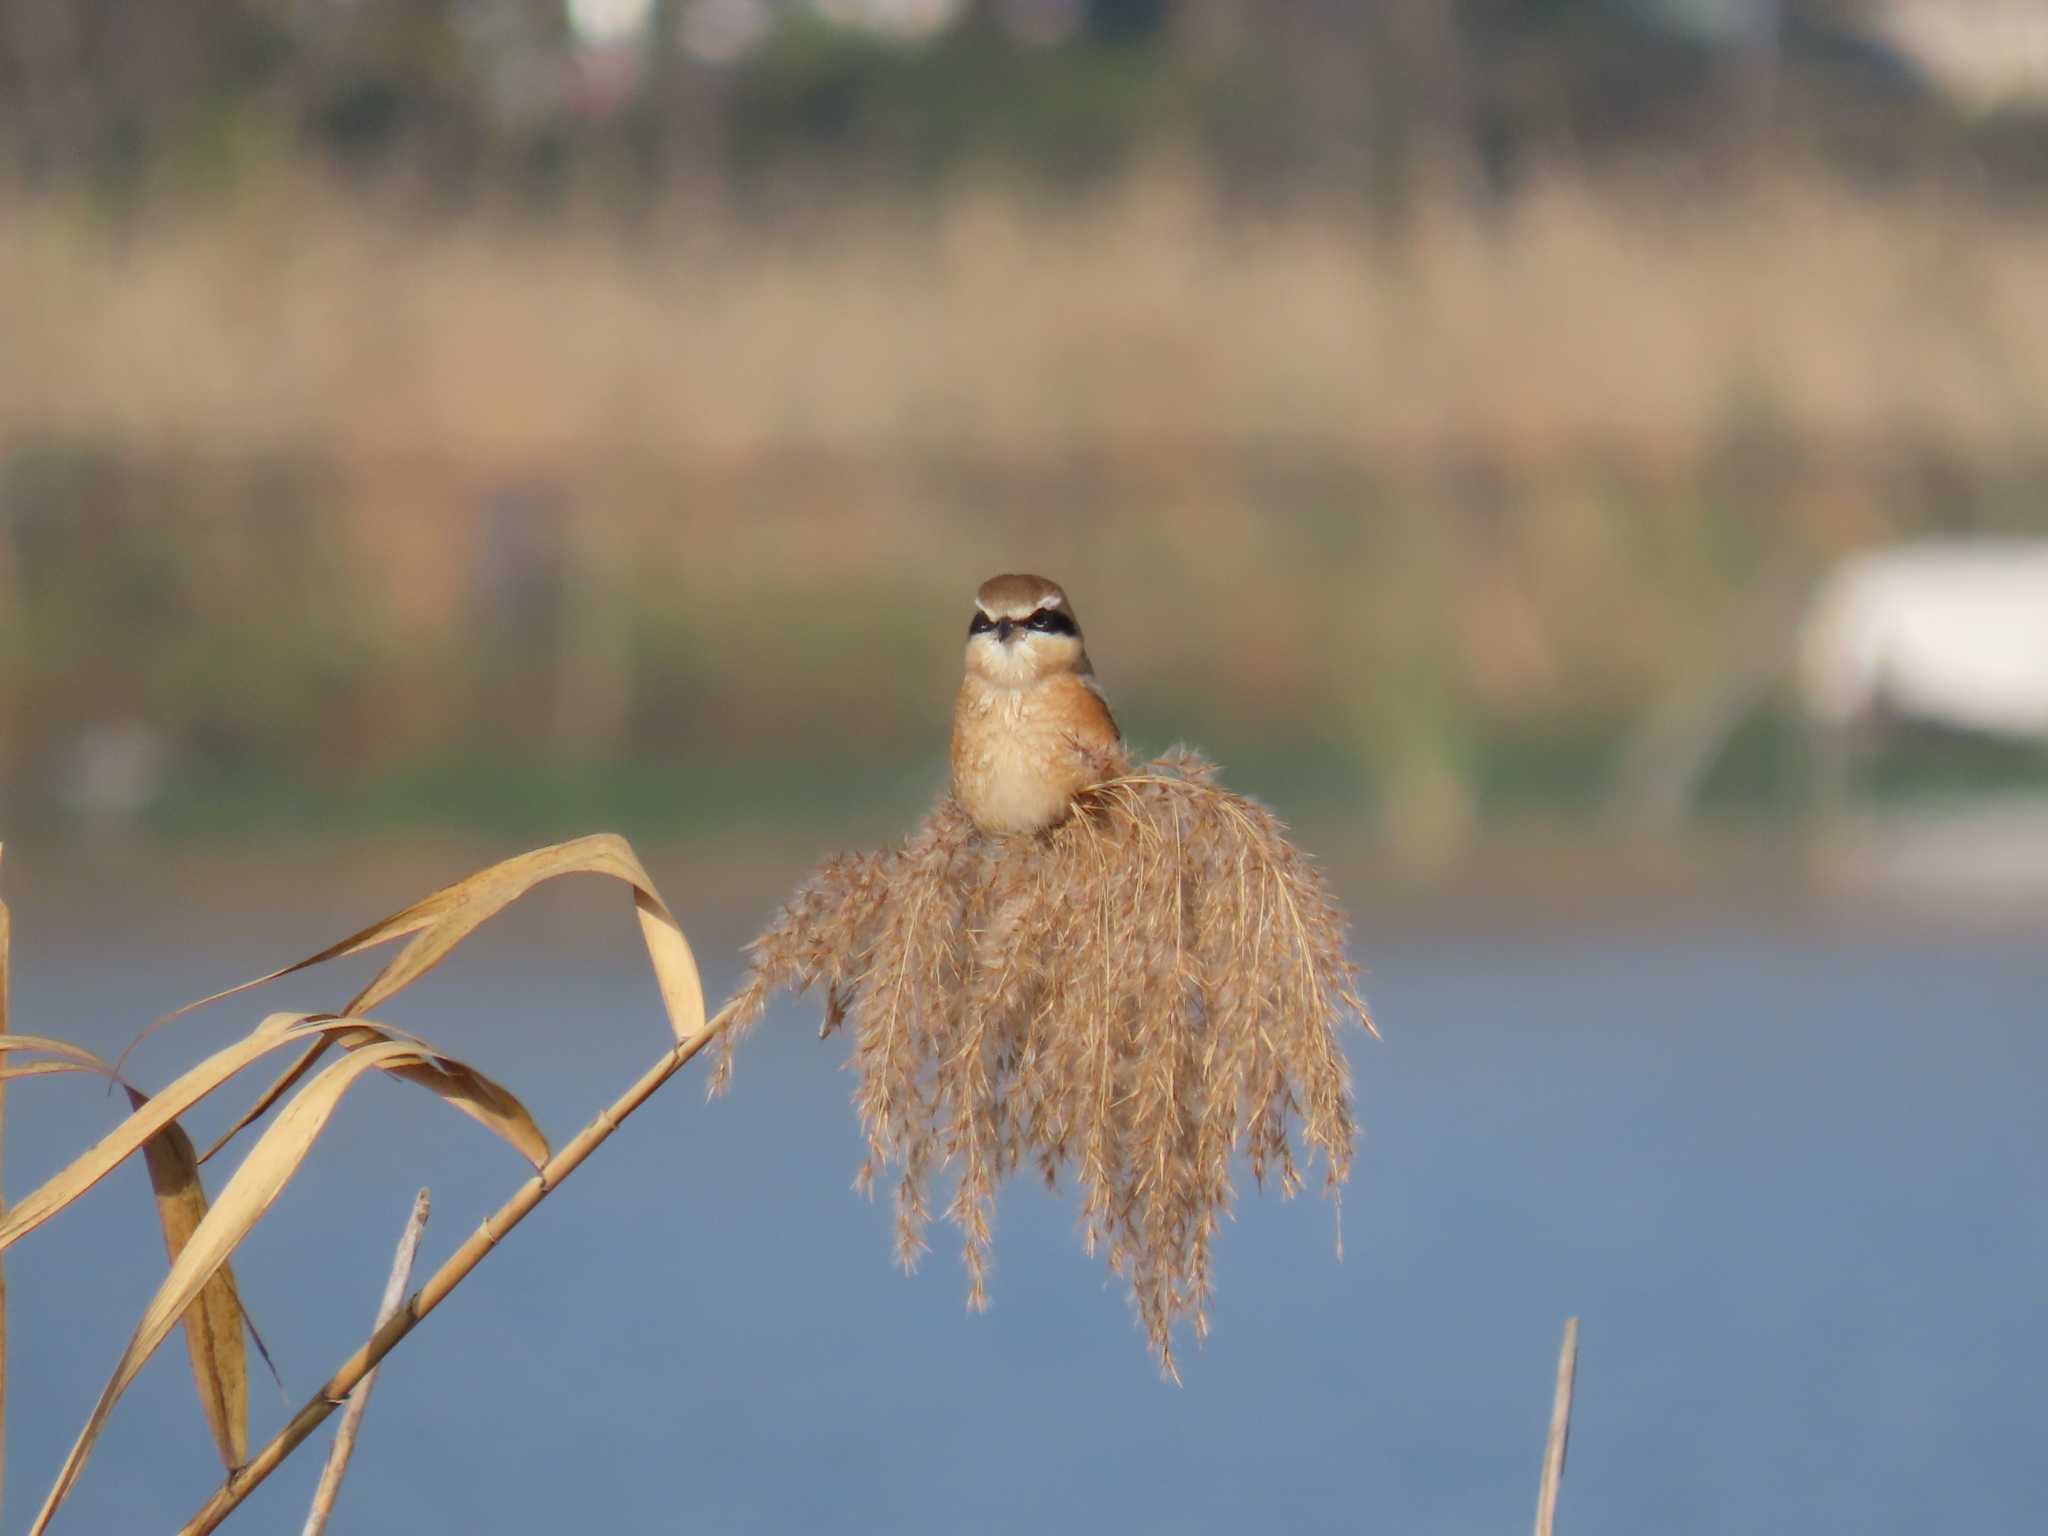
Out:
{"x": 359, "y": 1400}
{"x": 239, "y": 1485}
{"x": 1560, "y": 1430}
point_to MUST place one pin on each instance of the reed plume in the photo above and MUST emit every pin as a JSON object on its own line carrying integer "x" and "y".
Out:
{"x": 1137, "y": 994}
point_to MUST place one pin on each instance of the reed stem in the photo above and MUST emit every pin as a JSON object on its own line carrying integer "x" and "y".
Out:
{"x": 344, "y": 1446}
{"x": 241, "y": 1483}
{"x": 1560, "y": 1430}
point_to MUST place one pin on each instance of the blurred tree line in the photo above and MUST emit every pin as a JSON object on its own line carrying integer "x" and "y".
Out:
{"x": 536, "y": 95}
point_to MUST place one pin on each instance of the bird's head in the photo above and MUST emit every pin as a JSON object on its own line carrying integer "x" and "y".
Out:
{"x": 1023, "y": 629}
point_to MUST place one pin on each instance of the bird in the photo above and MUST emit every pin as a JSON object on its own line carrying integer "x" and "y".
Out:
{"x": 1031, "y": 727}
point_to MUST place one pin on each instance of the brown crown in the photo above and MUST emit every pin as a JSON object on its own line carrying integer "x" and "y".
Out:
{"x": 1018, "y": 597}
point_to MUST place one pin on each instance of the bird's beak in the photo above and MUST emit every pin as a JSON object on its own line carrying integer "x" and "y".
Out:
{"x": 1004, "y": 629}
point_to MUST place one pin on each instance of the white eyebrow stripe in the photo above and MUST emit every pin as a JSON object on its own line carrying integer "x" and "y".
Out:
{"x": 1018, "y": 609}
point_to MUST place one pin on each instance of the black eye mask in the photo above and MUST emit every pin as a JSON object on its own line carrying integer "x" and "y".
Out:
{"x": 1050, "y": 621}
{"x": 1047, "y": 621}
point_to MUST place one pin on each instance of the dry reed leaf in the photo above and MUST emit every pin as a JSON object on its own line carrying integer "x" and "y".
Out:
{"x": 244, "y": 1199}
{"x": 279, "y": 1086}
{"x": 213, "y": 1326}
{"x": 40, "y": 1069}
{"x": 199, "y": 1287}
{"x": 461, "y": 1086}
{"x": 1140, "y": 994}
{"x": 100, "y": 1159}
{"x": 443, "y": 920}
{"x": 70, "y": 1058}
{"x": 213, "y": 1322}
{"x": 482, "y": 1098}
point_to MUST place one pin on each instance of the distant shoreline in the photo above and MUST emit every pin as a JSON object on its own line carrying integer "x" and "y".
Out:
{"x": 1964, "y": 869}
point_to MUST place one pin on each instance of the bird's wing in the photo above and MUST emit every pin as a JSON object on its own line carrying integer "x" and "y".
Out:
{"x": 1093, "y": 729}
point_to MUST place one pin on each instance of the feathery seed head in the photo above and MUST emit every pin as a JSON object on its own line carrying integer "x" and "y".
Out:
{"x": 1137, "y": 995}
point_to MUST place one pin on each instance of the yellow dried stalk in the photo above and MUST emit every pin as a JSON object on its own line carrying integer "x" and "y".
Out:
{"x": 1140, "y": 994}
{"x": 239, "y": 1485}
{"x": 462, "y": 1086}
{"x": 213, "y": 1320}
{"x": 201, "y": 1239}
{"x": 437, "y": 923}
{"x": 199, "y": 1288}
{"x": 343, "y": 1448}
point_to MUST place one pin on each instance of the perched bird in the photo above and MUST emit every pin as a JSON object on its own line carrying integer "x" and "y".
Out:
{"x": 1030, "y": 725}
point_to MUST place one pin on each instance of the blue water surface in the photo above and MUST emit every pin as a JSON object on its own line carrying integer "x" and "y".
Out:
{"x": 1791, "y": 1179}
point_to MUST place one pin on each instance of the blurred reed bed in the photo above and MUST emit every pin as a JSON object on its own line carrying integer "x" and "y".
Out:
{"x": 1137, "y": 997}
{"x": 1422, "y": 515}
{"x": 1624, "y": 317}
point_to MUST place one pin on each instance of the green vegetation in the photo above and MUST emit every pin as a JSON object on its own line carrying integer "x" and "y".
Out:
{"x": 287, "y": 652}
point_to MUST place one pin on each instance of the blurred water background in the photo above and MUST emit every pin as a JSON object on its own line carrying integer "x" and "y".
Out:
{"x": 432, "y": 429}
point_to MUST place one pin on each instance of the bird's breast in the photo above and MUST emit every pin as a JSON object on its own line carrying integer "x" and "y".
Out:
{"x": 1019, "y": 754}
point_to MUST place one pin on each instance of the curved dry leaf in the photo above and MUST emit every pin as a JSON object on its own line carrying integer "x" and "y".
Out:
{"x": 50, "y": 1045}
{"x": 255, "y": 1185}
{"x": 487, "y": 1101}
{"x": 490, "y": 1104}
{"x": 106, "y": 1154}
{"x": 279, "y": 1087}
{"x": 213, "y": 1323}
{"x": 484, "y": 1100}
{"x": 439, "y": 922}
{"x": 449, "y": 916}
{"x": 43, "y": 1069}
{"x": 212, "y": 1326}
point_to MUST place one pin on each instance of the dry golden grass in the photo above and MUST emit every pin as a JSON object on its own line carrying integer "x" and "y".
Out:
{"x": 1621, "y": 316}
{"x": 201, "y": 1236}
{"x": 1137, "y": 995}
{"x": 212, "y": 1311}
